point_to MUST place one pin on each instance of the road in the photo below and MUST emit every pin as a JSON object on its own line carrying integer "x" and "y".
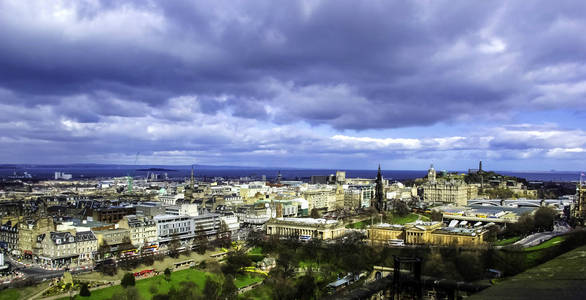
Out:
{"x": 540, "y": 237}
{"x": 36, "y": 273}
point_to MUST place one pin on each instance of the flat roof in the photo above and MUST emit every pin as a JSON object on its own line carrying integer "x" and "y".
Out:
{"x": 308, "y": 220}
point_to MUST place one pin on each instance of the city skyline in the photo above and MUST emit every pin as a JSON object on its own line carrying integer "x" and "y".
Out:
{"x": 297, "y": 84}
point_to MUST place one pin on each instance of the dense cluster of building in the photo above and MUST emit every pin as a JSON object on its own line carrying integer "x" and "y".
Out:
{"x": 56, "y": 223}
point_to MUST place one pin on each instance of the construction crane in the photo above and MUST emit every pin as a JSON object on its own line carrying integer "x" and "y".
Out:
{"x": 129, "y": 178}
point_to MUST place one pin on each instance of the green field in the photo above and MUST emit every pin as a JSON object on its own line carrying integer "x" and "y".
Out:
{"x": 247, "y": 279}
{"x": 507, "y": 241}
{"x": 255, "y": 251}
{"x": 10, "y": 294}
{"x": 552, "y": 242}
{"x": 561, "y": 277}
{"x": 359, "y": 225}
{"x": 143, "y": 286}
{"x": 394, "y": 219}
{"x": 256, "y": 254}
{"x": 22, "y": 293}
{"x": 163, "y": 286}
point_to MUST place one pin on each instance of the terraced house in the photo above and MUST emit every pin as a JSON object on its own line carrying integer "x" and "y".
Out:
{"x": 62, "y": 248}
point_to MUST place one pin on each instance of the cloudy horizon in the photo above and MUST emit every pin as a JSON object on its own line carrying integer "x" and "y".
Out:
{"x": 309, "y": 84}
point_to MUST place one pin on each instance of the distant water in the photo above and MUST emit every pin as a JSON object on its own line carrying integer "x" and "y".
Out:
{"x": 97, "y": 171}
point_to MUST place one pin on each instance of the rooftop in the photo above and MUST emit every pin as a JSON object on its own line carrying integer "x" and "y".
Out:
{"x": 387, "y": 225}
{"x": 309, "y": 221}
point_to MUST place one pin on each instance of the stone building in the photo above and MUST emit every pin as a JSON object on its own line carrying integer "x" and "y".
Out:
{"x": 9, "y": 235}
{"x": 358, "y": 196}
{"x": 112, "y": 214}
{"x": 315, "y": 228}
{"x": 113, "y": 237}
{"x": 320, "y": 199}
{"x": 426, "y": 233}
{"x": 452, "y": 191}
{"x": 62, "y": 248}
{"x": 143, "y": 230}
{"x": 28, "y": 230}
{"x": 383, "y": 233}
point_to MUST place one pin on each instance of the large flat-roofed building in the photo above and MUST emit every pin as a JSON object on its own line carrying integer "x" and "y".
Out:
{"x": 458, "y": 236}
{"x": 426, "y": 233}
{"x": 79, "y": 225}
{"x": 316, "y": 228}
{"x": 149, "y": 209}
{"x": 112, "y": 214}
{"x": 172, "y": 226}
{"x": 185, "y": 209}
{"x": 382, "y": 233}
{"x": 207, "y": 224}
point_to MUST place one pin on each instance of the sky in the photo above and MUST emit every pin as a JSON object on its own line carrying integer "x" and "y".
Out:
{"x": 310, "y": 84}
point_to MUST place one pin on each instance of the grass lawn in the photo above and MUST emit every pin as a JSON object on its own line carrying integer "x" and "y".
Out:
{"x": 168, "y": 262}
{"x": 562, "y": 277}
{"x": 359, "y": 225}
{"x": 256, "y": 254}
{"x": 163, "y": 286}
{"x": 308, "y": 263}
{"x": 507, "y": 241}
{"x": 22, "y": 293}
{"x": 255, "y": 251}
{"x": 247, "y": 279}
{"x": 10, "y": 294}
{"x": 552, "y": 242}
{"x": 394, "y": 219}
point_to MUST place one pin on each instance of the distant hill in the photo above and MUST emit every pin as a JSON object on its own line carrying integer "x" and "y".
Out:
{"x": 156, "y": 170}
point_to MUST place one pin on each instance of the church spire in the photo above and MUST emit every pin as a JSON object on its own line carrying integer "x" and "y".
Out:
{"x": 379, "y": 191}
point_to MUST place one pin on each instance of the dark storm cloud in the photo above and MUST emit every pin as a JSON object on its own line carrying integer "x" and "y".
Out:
{"x": 241, "y": 76}
{"x": 398, "y": 56}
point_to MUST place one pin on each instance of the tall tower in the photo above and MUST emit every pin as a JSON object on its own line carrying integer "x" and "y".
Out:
{"x": 191, "y": 181}
{"x": 580, "y": 206}
{"x": 129, "y": 184}
{"x": 480, "y": 167}
{"x": 431, "y": 174}
{"x": 379, "y": 192}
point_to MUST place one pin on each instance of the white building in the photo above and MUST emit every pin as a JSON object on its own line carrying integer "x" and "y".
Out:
{"x": 171, "y": 226}
{"x": 61, "y": 175}
{"x": 170, "y": 199}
